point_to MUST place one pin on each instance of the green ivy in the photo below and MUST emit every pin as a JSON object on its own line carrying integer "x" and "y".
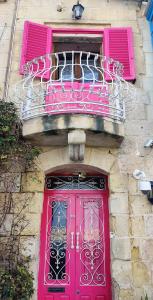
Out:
{"x": 17, "y": 283}
{"x": 11, "y": 140}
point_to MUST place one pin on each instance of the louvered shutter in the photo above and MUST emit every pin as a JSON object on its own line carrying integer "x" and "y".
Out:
{"x": 151, "y": 30}
{"x": 37, "y": 41}
{"x": 149, "y": 11}
{"x": 118, "y": 44}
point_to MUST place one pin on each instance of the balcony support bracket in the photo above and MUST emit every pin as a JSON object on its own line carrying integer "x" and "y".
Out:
{"x": 76, "y": 142}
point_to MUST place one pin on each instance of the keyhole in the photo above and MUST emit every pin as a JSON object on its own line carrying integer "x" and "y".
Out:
{"x": 77, "y": 292}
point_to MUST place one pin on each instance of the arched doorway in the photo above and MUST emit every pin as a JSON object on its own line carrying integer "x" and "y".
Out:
{"x": 75, "y": 238}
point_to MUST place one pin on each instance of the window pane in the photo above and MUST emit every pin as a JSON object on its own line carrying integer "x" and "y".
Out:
{"x": 90, "y": 72}
{"x": 58, "y": 240}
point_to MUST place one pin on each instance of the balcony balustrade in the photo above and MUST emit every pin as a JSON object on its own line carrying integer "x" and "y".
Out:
{"x": 73, "y": 90}
{"x": 61, "y": 83}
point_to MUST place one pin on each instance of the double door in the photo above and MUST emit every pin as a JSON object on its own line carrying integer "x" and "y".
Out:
{"x": 74, "y": 252}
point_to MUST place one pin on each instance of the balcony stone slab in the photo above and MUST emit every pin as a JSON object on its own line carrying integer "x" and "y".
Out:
{"x": 52, "y": 130}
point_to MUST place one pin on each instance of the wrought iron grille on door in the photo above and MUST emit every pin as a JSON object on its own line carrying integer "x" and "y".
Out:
{"x": 75, "y": 183}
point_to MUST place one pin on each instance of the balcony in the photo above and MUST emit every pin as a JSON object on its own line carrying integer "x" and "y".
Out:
{"x": 66, "y": 91}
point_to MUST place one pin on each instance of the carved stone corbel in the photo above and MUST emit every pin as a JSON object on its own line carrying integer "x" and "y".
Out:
{"x": 76, "y": 142}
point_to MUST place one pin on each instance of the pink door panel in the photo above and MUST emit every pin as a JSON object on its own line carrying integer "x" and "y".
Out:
{"x": 57, "y": 252}
{"x": 92, "y": 272}
{"x": 74, "y": 243}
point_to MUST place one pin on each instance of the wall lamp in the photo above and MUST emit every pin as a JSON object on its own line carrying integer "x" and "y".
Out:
{"x": 77, "y": 11}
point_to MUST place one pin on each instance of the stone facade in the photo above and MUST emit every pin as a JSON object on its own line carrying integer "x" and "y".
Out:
{"x": 7, "y": 24}
{"x": 131, "y": 215}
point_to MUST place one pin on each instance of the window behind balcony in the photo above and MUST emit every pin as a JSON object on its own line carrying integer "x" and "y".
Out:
{"x": 78, "y": 58}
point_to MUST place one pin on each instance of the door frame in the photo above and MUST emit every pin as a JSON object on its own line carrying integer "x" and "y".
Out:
{"x": 105, "y": 193}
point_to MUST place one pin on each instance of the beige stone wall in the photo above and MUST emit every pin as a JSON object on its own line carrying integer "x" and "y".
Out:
{"x": 7, "y": 10}
{"x": 131, "y": 215}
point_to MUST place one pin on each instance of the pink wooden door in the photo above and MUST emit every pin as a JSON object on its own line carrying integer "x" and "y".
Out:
{"x": 74, "y": 250}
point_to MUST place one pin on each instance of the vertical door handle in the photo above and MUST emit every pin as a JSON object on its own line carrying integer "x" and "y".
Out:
{"x": 72, "y": 240}
{"x": 77, "y": 240}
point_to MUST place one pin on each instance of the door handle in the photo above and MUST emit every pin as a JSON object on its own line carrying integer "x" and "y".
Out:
{"x": 72, "y": 240}
{"x": 77, "y": 240}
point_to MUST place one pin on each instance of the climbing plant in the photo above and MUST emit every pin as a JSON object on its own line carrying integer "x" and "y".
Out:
{"x": 12, "y": 143}
{"x": 16, "y": 279}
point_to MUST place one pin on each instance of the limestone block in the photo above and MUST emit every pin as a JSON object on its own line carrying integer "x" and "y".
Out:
{"x": 147, "y": 47}
{"x": 147, "y": 83}
{"x": 53, "y": 158}
{"x": 138, "y": 293}
{"x": 137, "y": 226}
{"x": 141, "y": 274}
{"x": 33, "y": 224}
{"x": 149, "y": 225}
{"x": 119, "y": 203}
{"x": 4, "y": 202}
{"x": 127, "y": 147}
{"x": 6, "y": 18}
{"x": 6, "y": 224}
{"x": 30, "y": 247}
{"x": 136, "y": 112}
{"x": 31, "y": 202}
{"x": 150, "y": 108}
{"x": 149, "y": 58}
{"x": 112, "y": 225}
{"x": 118, "y": 183}
{"x": 33, "y": 182}
{"x": 122, "y": 225}
{"x": 139, "y": 204}
{"x": 122, "y": 273}
{"x": 99, "y": 158}
{"x": 128, "y": 163}
{"x": 133, "y": 186}
{"x": 10, "y": 182}
{"x": 121, "y": 248}
{"x": 4, "y": 44}
{"x": 140, "y": 61}
{"x": 126, "y": 294}
{"x": 149, "y": 70}
{"x": 146, "y": 249}
{"x": 148, "y": 169}
{"x": 14, "y": 165}
{"x": 3, "y": 59}
{"x": 141, "y": 128}
{"x": 135, "y": 249}
{"x": 135, "y": 253}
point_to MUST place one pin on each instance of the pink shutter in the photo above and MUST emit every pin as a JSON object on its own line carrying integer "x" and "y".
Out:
{"x": 37, "y": 41}
{"x": 118, "y": 44}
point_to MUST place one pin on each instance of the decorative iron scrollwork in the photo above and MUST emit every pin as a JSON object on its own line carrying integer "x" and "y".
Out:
{"x": 57, "y": 250}
{"x": 75, "y": 183}
{"x": 92, "y": 248}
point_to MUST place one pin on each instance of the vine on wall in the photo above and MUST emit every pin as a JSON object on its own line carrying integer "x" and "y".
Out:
{"x": 16, "y": 280}
{"x": 12, "y": 144}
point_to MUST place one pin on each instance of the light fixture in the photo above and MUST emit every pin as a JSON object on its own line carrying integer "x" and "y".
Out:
{"x": 77, "y": 11}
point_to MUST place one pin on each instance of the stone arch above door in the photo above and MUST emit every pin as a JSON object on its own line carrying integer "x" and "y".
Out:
{"x": 56, "y": 159}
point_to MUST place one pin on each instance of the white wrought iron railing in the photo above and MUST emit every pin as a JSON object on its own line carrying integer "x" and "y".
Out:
{"x": 73, "y": 82}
